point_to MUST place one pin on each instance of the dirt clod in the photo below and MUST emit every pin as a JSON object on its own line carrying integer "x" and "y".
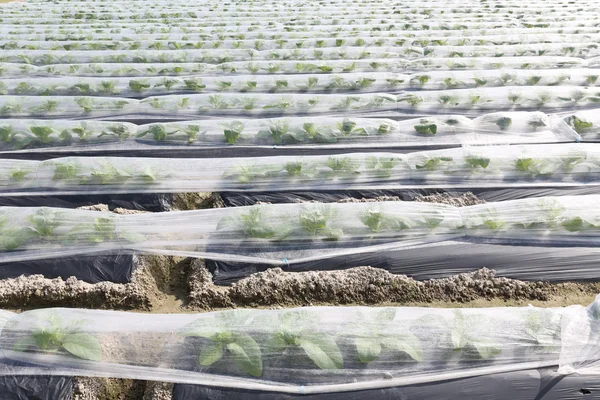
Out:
{"x": 463, "y": 200}
{"x": 361, "y": 285}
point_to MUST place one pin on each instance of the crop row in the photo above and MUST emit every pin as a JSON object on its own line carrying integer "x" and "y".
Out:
{"x": 477, "y": 166}
{"x": 497, "y": 128}
{"x": 468, "y": 101}
{"x": 310, "y": 346}
{"x": 288, "y": 32}
{"x": 297, "y": 83}
{"x": 216, "y": 56}
{"x": 139, "y": 42}
{"x": 297, "y": 232}
{"x": 475, "y": 65}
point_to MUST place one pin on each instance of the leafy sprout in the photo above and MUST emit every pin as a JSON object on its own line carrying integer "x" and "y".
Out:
{"x": 315, "y": 220}
{"x": 51, "y": 334}
{"x": 426, "y": 128}
{"x": 433, "y": 164}
{"x": 503, "y": 123}
{"x": 233, "y": 131}
{"x": 300, "y": 329}
{"x": 225, "y": 340}
{"x": 375, "y": 336}
{"x": 158, "y": 132}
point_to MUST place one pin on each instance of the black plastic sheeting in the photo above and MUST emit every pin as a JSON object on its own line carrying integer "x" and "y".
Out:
{"x": 237, "y": 199}
{"x": 135, "y": 201}
{"x": 541, "y": 384}
{"x": 32, "y": 387}
{"x": 17, "y": 387}
{"x": 169, "y": 151}
{"x": 92, "y": 268}
{"x": 528, "y": 263}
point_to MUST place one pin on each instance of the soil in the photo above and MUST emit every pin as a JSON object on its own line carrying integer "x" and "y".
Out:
{"x": 463, "y": 200}
{"x": 373, "y": 286}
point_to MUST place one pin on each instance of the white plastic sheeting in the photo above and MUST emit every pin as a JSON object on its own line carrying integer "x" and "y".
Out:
{"x": 295, "y": 132}
{"x": 304, "y": 351}
{"x": 565, "y": 165}
{"x": 298, "y": 232}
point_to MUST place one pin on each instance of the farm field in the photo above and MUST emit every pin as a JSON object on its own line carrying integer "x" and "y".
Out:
{"x": 260, "y": 200}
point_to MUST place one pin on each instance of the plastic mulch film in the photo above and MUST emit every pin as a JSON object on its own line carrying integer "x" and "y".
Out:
{"x": 281, "y": 234}
{"x": 565, "y": 165}
{"x": 291, "y": 132}
{"x": 297, "y": 351}
{"x": 305, "y": 83}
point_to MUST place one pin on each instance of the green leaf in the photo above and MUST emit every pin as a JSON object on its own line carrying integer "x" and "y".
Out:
{"x": 504, "y": 123}
{"x": 408, "y": 344}
{"x": 246, "y": 353}
{"x": 573, "y": 225}
{"x": 83, "y": 346}
{"x": 368, "y": 349}
{"x": 486, "y": 350}
{"x": 211, "y": 354}
{"x": 323, "y": 351}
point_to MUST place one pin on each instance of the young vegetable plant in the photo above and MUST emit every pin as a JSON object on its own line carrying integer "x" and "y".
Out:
{"x": 426, "y": 127}
{"x": 375, "y": 336}
{"x": 543, "y": 328}
{"x": 535, "y": 167}
{"x": 158, "y": 132}
{"x": 315, "y": 220}
{"x": 52, "y": 335}
{"x": 226, "y": 340}
{"x": 463, "y": 339}
{"x": 504, "y": 123}
{"x": 300, "y": 329}
{"x": 348, "y": 127}
{"x": 377, "y": 221}
{"x": 232, "y": 131}
{"x": 253, "y": 224}
{"x": 434, "y": 163}
{"x": 381, "y": 167}
{"x": 580, "y": 126}
{"x": 278, "y": 131}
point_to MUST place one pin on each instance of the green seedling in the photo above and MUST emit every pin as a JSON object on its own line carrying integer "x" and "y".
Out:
{"x": 375, "y": 337}
{"x": 51, "y": 335}
{"x": 433, "y": 164}
{"x": 426, "y": 128}
{"x": 300, "y": 329}
{"x": 315, "y": 220}
{"x": 225, "y": 340}
{"x": 158, "y": 132}
{"x": 233, "y": 131}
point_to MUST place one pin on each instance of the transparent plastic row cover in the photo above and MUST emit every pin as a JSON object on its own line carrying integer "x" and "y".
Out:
{"x": 290, "y": 132}
{"x": 586, "y": 50}
{"x": 279, "y": 234}
{"x": 304, "y": 350}
{"x": 141, "y": 66}
{"x": 561, "y": 165}
{"x": 472, "y": 102}
{"x": 348, "y": 82}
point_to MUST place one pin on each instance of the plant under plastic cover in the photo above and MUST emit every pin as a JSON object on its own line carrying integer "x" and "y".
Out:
{"x": 474, "y": 166}
{"x": 308, "y": 350}
{"x": 276, "y": 234}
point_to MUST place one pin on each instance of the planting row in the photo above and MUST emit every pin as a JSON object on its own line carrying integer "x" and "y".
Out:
{"x": 302, "y": 83}
{"x": 465, "y": 101}
{"x": 303, "y": 351}
{"x": 12, "y": 70}
{"x": 211, "y": 56}
{"x": 478, "y": 166}
{"x": 284, "y": 39}
{"x": 326, "y": 132}
{"x": 269, "y": 234}
{"x": 242, "y": 32}
{"x": 139, "y": 42}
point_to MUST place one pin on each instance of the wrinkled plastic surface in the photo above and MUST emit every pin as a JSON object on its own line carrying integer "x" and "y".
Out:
{"x": 281, "y": 233}
{"x": 566, "y": 165}
{"x": 314, "y": 350}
